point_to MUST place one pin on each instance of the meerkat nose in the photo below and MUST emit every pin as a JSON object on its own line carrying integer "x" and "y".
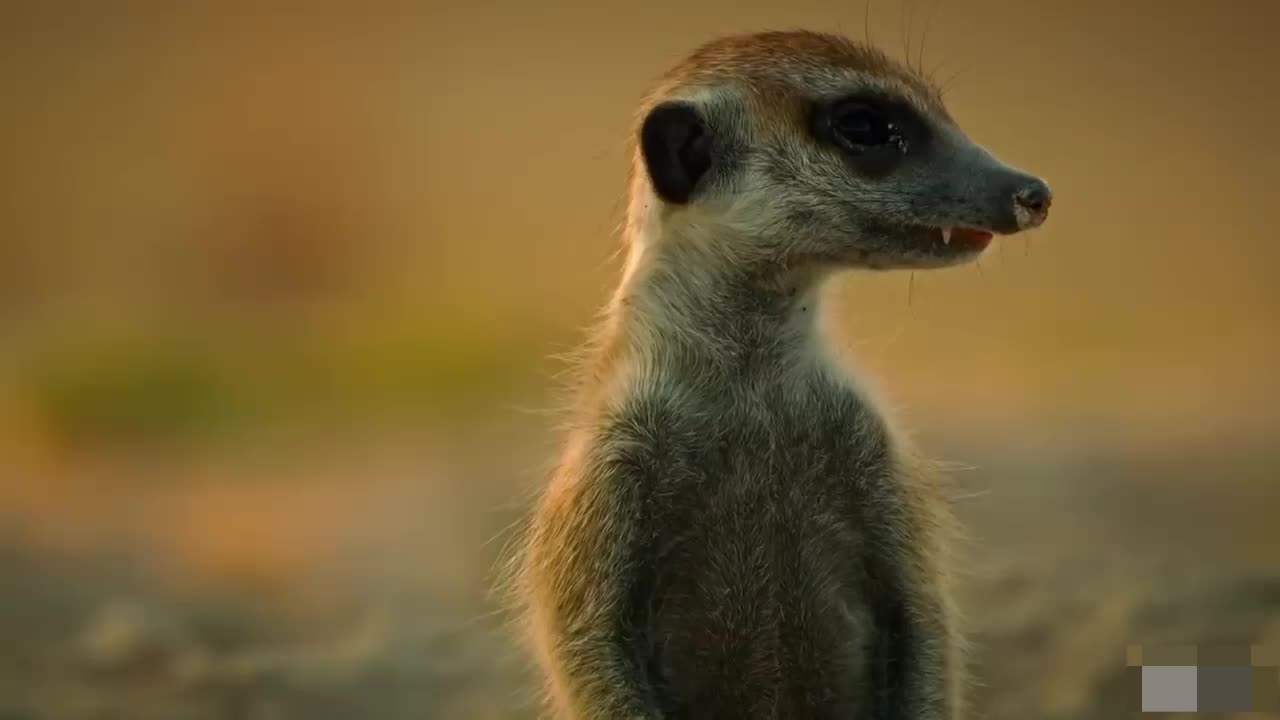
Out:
{"x": 1031, "y": 204}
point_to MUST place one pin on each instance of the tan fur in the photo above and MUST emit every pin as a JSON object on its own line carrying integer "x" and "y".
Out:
{"x": 573, "y": 574}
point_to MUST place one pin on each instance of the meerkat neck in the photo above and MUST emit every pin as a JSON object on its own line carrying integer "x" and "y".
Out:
{"x": 682, "y": 302}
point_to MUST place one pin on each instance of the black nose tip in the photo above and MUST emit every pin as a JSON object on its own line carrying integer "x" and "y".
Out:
{"x": 1035, "y": 197}
{"x": 1031, "y": 203}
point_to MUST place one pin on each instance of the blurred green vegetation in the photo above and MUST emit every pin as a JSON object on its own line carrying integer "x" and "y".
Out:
{"x": 141, "y": 388}
{"x": 170, "y": 386}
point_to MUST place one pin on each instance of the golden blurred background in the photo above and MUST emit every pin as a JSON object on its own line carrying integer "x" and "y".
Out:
{"x": 281, "y": 293}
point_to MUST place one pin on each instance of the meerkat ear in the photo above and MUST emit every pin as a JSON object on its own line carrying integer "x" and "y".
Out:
{"x": 676, "y": 145}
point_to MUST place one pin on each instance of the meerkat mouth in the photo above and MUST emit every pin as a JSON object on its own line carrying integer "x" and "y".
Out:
{"x": 964, "y": 238}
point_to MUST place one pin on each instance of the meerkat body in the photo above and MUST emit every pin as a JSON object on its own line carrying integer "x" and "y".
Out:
{"x": 734, "y": 530}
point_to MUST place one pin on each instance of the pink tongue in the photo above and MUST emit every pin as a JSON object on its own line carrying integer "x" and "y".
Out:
{"x": 970, "y": 234}
{"x": 977, "y": 238}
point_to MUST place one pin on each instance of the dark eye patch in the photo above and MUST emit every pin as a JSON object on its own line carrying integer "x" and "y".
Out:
{"x": 875, "y": 132}
{"x": 857, "y": 126}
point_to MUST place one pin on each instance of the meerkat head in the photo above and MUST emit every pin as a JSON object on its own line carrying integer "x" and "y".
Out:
{"x": 800, "y": 147}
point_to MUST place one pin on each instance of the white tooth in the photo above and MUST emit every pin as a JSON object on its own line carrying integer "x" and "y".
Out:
{"x": 946, "y": 236}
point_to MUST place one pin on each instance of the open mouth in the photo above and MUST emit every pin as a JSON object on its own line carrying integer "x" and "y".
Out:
{"x": 958, "y": 239}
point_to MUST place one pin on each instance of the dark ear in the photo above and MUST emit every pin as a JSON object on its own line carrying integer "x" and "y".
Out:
{"x": 676, "y": 145}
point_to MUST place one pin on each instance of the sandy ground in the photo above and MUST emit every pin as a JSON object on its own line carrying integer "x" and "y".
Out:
{"x": 331, "y": 599}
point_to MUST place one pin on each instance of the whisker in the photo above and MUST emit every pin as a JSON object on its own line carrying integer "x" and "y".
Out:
{"x": 924, "y": 35}
{"x": 966, "y": 497}
{"x": 866, "y": 22}
{"x": 950, "y": 79}
{"x": 904, "y": 30}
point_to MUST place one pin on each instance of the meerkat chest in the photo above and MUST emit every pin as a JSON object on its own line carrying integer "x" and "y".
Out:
{"x": 762, "y": 524}
{"x": 754, "y": 438}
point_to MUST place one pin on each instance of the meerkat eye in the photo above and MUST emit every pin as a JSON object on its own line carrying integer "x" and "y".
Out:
{"x": 857, "y": 126}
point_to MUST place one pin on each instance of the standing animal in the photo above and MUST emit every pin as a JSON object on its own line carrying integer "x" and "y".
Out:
{"x": 734, "y": 530}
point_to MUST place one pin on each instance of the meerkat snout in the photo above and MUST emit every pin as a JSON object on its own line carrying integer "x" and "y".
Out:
{"x": 1031, "y": 204}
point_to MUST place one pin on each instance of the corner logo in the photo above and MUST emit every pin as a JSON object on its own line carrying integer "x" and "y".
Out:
{"x": 1191, "y": 678}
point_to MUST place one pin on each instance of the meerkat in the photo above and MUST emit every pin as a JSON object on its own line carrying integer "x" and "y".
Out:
{"x": 734, "y": 529}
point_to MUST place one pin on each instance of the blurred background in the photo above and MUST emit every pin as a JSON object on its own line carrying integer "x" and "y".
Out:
{"x": 281, "y": 294}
